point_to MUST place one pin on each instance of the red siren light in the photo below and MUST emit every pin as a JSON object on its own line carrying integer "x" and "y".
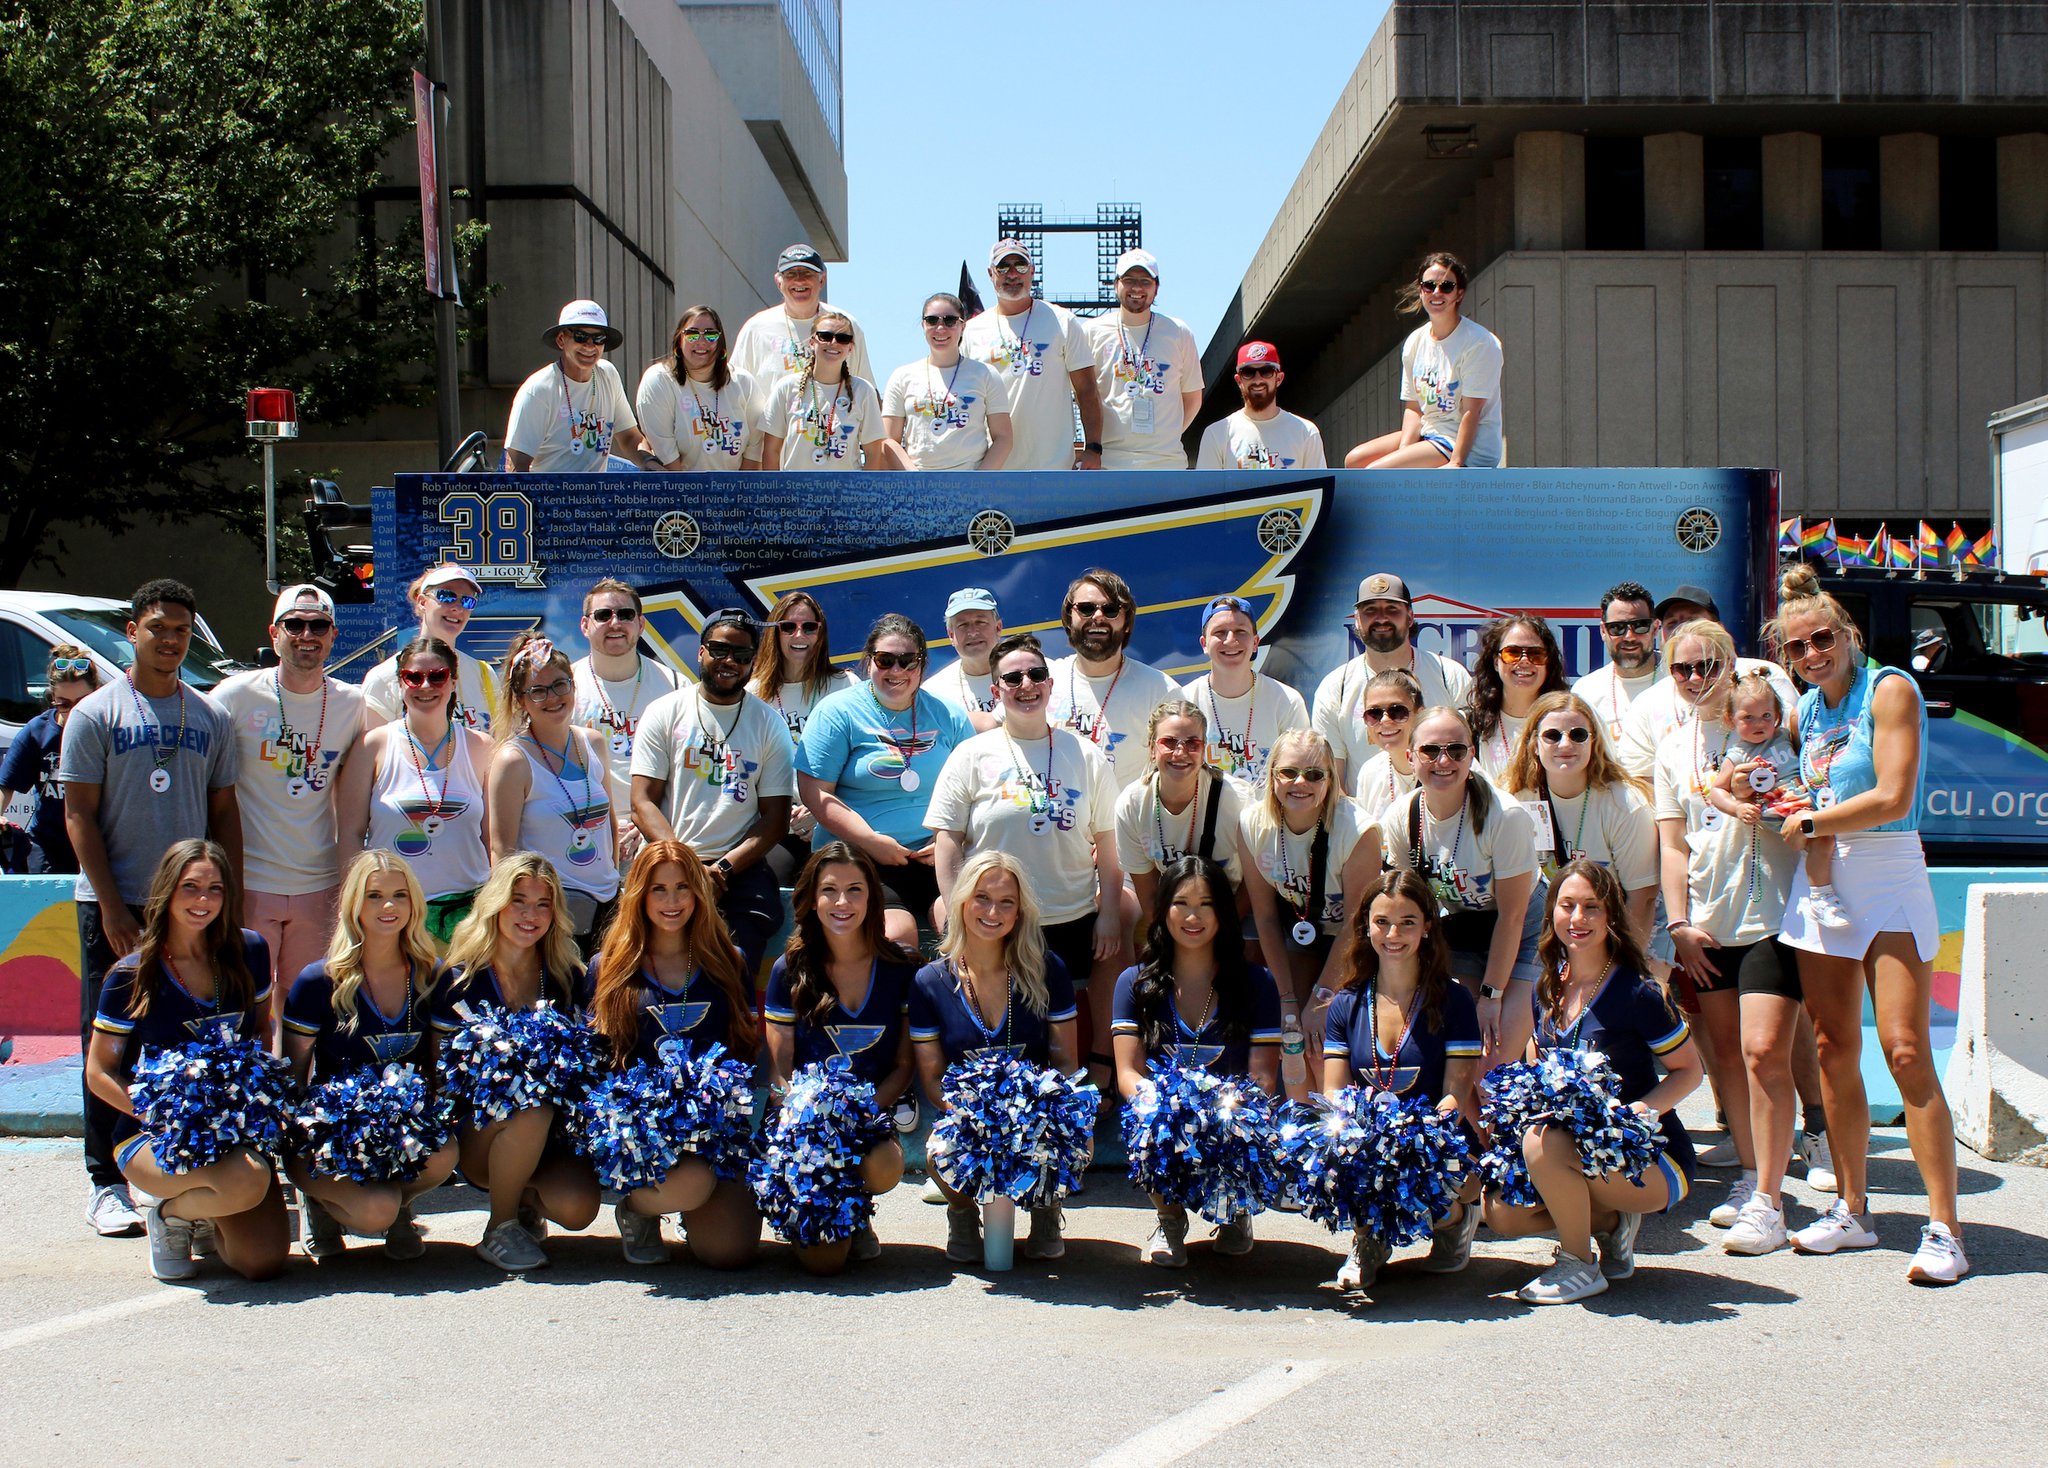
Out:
{"x": 273, "y": 412}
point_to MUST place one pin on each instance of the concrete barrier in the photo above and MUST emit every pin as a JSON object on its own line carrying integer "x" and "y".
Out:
{"x": 1997, "y": 1077}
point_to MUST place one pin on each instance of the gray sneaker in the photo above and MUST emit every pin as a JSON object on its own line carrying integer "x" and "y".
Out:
{"x": 1044, "y": 1241}
{"x": 205, "y": 1240}
{"x": 963, "y": 1233}
{"x": 1450, "y": 1246}
{"x": 113, "y": 1214}
{"x": 639, "y": 1235}
{"x": 511, "y": 1248}
{"x": 402, "y": 1240}
{"x": 1234, "y": 1237}
{"x": 323, "y": 1230}
{"x": 534, "y": 1222}
{"x": 1362, "y": 1265}
{"x": 866, "y": 1245}
{"x": 1168, "y": 1246}
{"x": 1568, "y": 1280}
{"x": 1618, "y": 1247}
{"x": 170, "y": 1244}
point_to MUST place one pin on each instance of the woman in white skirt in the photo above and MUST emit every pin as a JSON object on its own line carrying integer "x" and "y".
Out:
{"x": 1863, "y": 750}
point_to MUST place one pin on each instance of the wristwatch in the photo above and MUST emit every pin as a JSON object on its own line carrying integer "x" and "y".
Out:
{"x": 1093, "y": 447}
{"x": 1487, "y": 991}
{"x": 1806, "y": 825}
{"x": 724, "y": 867}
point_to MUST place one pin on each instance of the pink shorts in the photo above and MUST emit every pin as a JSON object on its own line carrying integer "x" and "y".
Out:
{"x": 296, "y": 928}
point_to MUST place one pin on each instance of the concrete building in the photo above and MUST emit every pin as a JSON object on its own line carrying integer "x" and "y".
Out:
{"x": 1804, "y": 235}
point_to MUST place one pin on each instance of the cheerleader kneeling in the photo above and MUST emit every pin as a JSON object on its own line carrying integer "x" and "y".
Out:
{"x": 1595, "y": 998}
{"x": 196, "y": 978}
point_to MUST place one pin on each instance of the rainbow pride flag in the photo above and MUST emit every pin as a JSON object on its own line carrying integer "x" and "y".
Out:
{"x": 1788, "y": 536}
{"x": 1855, "y": 551}
{"x": 1819, "y": 540}
{"x": 1904, "y": 553}
{"x": 1930, "y": 545}
{"x": 1957, "y": 544}
{"x": 1984, "y": 549}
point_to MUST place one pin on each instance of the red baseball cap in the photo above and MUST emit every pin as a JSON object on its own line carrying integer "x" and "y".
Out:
{"x": 1262, "y": 354}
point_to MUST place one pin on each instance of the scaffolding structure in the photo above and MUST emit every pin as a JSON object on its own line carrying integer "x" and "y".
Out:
{"x": 1116, "y": 227}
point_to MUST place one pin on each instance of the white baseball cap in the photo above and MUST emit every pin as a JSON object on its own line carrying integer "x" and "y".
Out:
{"x": 446, "y": 572}
{"x": 296, "y": 598}
{"x": 1138, "y": 260}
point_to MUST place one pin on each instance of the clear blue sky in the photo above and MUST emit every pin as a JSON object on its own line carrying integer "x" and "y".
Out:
{"x": 1200, "y": 112}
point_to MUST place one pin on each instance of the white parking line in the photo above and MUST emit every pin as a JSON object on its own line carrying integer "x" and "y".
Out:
{"x": 28, "y": 1335}
{"x": 1182, "y": 1433}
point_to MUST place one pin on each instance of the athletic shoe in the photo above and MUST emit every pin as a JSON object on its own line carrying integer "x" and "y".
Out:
{"x": 1729, "y": 1208}
{"x": 932, "y": 1193}
{"x": 511, "y": 1248}
{"x": 963, "y": 1233}
{"x": 1940, "y": 1259}
{"x": 1362, "y": 1265}
{"x": 639, "y": 1235}
{"x": 1168, "y": 1246}
{"x": 403, "y": 1240}
{"x": 1234, "y": 1237}
{"x": 1824, "y": 906}
{"x": 205, "y": 1240}
{"x": 1834, "y": 1230}
{"x": 1450, "y": 1244}
{"x": 1618, "y": 1247}
{"x": 323, "y": 1230}
{"x": 865, "y": 1245}
{"x": 1759, "y": 1230}
{"x": 1721, "y": 1154}
{"x": 1813, "y": 1150}
{"x": 112, "y": 1213}
{"x": 170, "y": 1244}
{"x": 534, "y": 1222}
{"x": 905, "y": 1116}
{"x": 1569, "y": 1280}
{"x": 1044, "y": 1241}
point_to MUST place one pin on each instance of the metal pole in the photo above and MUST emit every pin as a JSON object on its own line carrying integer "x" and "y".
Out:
{"x": 448, "y": 386}
{"x": 270, "y": 517}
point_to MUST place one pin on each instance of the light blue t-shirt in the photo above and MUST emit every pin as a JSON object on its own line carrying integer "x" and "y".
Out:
{"x": 881, "y": 762}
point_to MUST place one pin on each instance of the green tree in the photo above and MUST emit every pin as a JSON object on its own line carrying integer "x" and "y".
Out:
{"x": 182, "y": 218}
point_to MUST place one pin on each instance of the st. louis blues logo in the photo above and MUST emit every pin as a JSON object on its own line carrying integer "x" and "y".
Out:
{"x": 1193, "y": 1055}
{"x": 425, "y": 819}
{"x": 851, "y": 1040}
{"x": 586, "y": 823}
{"x": 1015, "y": 1049}
{"x": 679, "y": 1018}
{"x": 216, "y": 1029}
{"x": 394, "y": 1046}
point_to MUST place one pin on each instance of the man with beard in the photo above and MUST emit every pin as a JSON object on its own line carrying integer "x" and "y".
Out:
{"x": 1149, "y": 371}
{"x": 1629, "y": 628}
{"x": 1385, "y": 623}
{"x": 776, "y": 342}
{"x": 1260, "y": 435}
{"x": 294, "y": 725}
{"x": 615, "y": 687}
{"x": 712, "y": 769}
{"x": 973, "y": 624}
{"x": 1099, "y": 692}
{"x": 1041, "y": 352}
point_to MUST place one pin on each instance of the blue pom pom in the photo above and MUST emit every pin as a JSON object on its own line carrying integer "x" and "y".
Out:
{"x": 1368, "y": 1160}
{"x": 506, "y": 1061}
{"x": 807, "y": 1179}
{"x": 636, "y": 1125}
{"x": 1014, "y": 1130}
{"x": 372, "y": 1126}
{"x": 1205, "y": 1142}
{"x": 200, "y": 1101}
{"x": 1575, "y": 1089}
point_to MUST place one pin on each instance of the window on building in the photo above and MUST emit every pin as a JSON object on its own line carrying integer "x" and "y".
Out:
{"x": 1850, "y": 215}
{"x": 1735, "y": 193}
{"x": 1614, "y": 193}
{"x": 1969, "y": 193}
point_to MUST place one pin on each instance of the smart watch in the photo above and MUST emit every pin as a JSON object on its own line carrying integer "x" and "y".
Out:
{"x": 1806, "y": 825}
{"x": 1487, "y": 991}
{"x": 1093, "y": 447}
{"x": 724, "y": 867}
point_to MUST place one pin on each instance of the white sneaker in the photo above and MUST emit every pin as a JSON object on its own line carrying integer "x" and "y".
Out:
{"x": 1235, "y": 1236}
{"x": 1940, "y": 1259}
{"x": 1813, "y": 1150}
{"x": 1168, "y": 1248}
{"x": 1568, "y": 1280}
{"x": 639, "y": 1235}
{"x": 932, "y": 1193}
{"x": 905, "y": 1115}
{"x": 1835, "y": 1229}
{"x": 1824, "y": 906}
{"x": 1760, "y": 1229}
{"x": 1721, "y": 1154}
{"x": 112, "y": 1213}
{"x": 511, "y": 1248}
{"x": 1729, "y": 1209}
{"x": 1450, "y": 1247}
{"x": 170, "y": 1244}
{"x": 1618, "y": 1247}
{"x": 1362, "y": 1265}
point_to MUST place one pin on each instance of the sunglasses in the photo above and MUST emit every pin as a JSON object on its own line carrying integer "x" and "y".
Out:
{"x": 449, "y": 598}
{"x": 799, "y": 627}
{"x": 947, "y": 320}
{"x": 1014, "y": 267}
{"x": 1257, "y": 371}
{"x": 1514, "y": 657}
{"x": 1796, "y": 650}
{"x": 586, "y": 338}
{"x": 1436, "y": 754}
{"x": 69, "y": 667}
{"x": 889, "y": 662}
{"x": 1017, "y": 677}
{"x": 844, "y": 338}
{"x": 1578, "y": 734}
{"x": 728, "y": 652}
{"x": 549, "y": 692}
{"x": 1095, "y": 608}
{"x": 1178, "y": 746}
{"x": 423, "y": 677}
{"x": 1628, "y": 625}
{"x": 1708, "y": 668}
{"x": 1393, "y": 713}
{"x": 700, "y": 334}
{"x": 1441, "y": 287}
{"x": 1313, "y": 775}
{"x": 306, "y": 626}
{"x": 615, "y": 614}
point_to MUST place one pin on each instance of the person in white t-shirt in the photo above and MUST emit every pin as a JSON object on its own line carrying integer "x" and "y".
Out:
{"x": 1384, "y": 621}
{"x": 973, "y": 626}
{"x": 1042, "y": 353}
{"x": 1659, "y": 709}
{"x": 444, "y": 597}
{"x": 1247, "y": 711}
{"x": 615, "y": 686}
{"x": 1182, "y": 807}
{"x": 1628, "y": 629}
{"x": 1391, "y": 704}
{"x": 1518, "y": 662}
{"x": 1149, "y": 371}
{"x": 827, "y": 416}
{"x": 294, "y": 726}
{"x": 947, "y": 411}
{"x": 776, "y": 342}
{"x": 1261, "y": 434}
{"x": 573, "y": 414}
{"x": 1450, "y": 383}
{"x": 699, "y": 414}
{"x": 1101, "y": 692}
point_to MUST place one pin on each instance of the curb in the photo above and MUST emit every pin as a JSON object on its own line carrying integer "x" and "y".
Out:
{"x": 42, "y": 1100}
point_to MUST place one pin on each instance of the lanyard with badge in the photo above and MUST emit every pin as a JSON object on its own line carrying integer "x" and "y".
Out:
{"x": 1039, "y": 799}
{"x": 1305, "y": 929}
{"x": 309, "y": 763}
{"x": 1135, "y": 394}
{"x": 161, "y": 754}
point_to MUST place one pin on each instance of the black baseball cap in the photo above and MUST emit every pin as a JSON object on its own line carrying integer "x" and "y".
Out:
{"x": 738, "y": 617}
{"x": 1698, "y": 596}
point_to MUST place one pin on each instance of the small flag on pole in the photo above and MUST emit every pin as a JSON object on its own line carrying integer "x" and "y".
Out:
{"x": 1930, "y": 545}
{"x": 1788, "y": 536}
{"x": 1855, "y": 551}
{"x": 1880, "y": 553}
{"x": 1904, "y": 553}
{"x": 1819, "y": 540}
{"x": 1984, "y": 549}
